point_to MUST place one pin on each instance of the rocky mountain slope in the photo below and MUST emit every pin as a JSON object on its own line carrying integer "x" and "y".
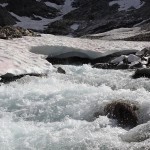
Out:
{"x": 75, "y": 17}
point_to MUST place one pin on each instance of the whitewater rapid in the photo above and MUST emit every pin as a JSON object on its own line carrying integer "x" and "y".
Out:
{"x": 56, "y": 112}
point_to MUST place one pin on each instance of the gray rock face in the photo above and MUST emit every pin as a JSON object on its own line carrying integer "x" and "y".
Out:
{"x": 6, "y": 18}
{"x": 30, "y": 8}
{"x": 91, "y": 16}
{"x": 95, "y": 16}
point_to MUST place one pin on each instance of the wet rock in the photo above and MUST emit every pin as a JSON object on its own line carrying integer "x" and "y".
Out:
{"x": 104, "y": 66}
{"x": 133, "y": 58}
{"x": 122, "y": 65}
{"x": 9, "y": 77}
{"x": 118, "y": 59}
{"x": 68, "y": 60}
{"x": 144, "y": 52}
{"x": 60, "y": 70}
{"x": 30, "y": 7}
{"x": 139, "y": 73}
{"x": 136, "y": 65}
{"x": 124, "y": 112}
{"x": 108, "y": 57}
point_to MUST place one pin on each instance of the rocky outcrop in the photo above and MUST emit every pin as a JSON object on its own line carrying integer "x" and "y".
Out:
{"x": 79, "y": 58}
{"x": 89, "y": 17}
{"x": 6, "y": 18}
{"x": 31, "y": 8}
{"x": 96, "y": 16}
{"x": 9, "y": 32}
{"x": 140, "y": 59}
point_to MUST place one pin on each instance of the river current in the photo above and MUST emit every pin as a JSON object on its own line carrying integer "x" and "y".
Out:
{"x": 57, "y": 112}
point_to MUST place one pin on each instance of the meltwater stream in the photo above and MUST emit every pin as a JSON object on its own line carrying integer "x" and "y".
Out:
{"x": 56, "y": 113}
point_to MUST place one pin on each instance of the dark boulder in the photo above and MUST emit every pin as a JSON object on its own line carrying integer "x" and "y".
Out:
{"x": 60, "y": 70}
{"x": 9, "y": 77}
{"x": 139, "y": 73}
{"x": 122, "y": 66}
{"x": 75, "y": 60}
{"x": 104, "y": 66}
{"x": 144, "y": 52}
{"x": 124, "y": 112}
{"x": 135, "y": 65}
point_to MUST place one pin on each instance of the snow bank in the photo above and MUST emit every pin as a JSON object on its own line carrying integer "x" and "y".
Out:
{"x": 16, "y": 56}
{"x": 120, "y": 33}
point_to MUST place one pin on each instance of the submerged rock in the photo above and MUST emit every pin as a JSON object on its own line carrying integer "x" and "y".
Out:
{"x": 60, "y": 70}
{"x": 124, "y": 112}
{"x": 144, "y": 72}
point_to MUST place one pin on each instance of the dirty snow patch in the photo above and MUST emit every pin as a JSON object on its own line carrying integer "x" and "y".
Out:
{"x": 127, "y": 4}
{"x": 74, "y": 26}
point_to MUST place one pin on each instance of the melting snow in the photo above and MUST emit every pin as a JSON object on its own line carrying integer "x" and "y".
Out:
{"x": 29, "y": 23}
{"x": 127, "y": 4}
{"x": 16, "y": 55}
{"x": 4, "y": 4}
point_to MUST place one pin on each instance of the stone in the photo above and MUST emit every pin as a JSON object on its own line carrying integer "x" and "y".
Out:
{"x": 118, "y": 59}
{"x": 122, "y": 65}
{"x": 124, "y": 112}
{"x": 9, "y": 77}
{"x": 139, "y": 73}
{"x": 60, "y": 70}
{"x": 135, "y": 65}
{"x": 144, "y": 52}
{"x": 104, "y": 66}
{"x": 132, "y": 58}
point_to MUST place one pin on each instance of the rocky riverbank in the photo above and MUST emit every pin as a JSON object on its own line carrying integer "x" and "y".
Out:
{"x": 10, "y": 32}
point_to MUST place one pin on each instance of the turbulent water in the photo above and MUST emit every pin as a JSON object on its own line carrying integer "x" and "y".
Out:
{"x": 56, "y": 113}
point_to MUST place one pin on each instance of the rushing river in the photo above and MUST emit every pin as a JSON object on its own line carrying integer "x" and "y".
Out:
{"x": 56, "y": 113}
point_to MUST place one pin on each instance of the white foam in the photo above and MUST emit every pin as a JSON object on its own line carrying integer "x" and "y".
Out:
{"x": 47, "y": 112}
